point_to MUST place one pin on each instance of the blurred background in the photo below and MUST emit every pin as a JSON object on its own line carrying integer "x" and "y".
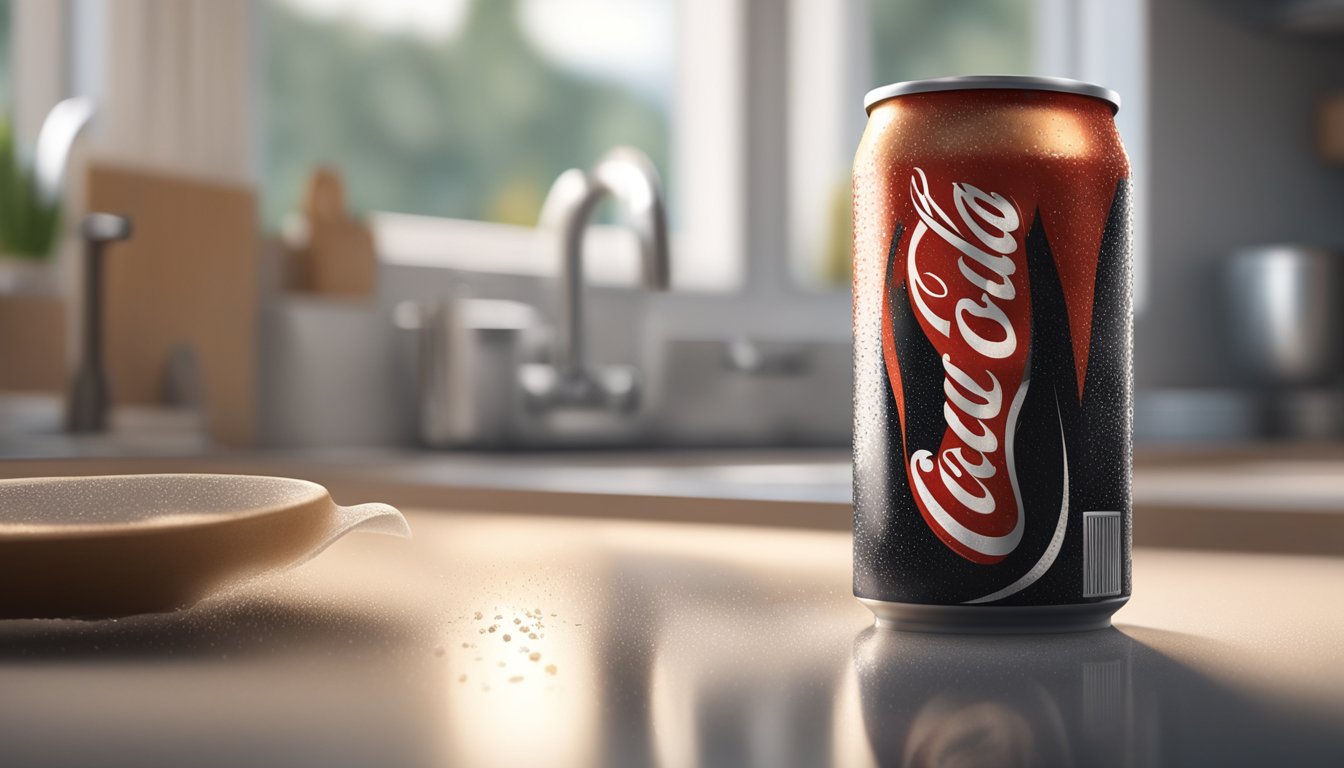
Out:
{"x": 568, "y": 282}
{"x": 397, "y": 225}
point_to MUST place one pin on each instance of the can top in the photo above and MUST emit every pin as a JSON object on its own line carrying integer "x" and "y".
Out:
{"x": 992, "y": 82}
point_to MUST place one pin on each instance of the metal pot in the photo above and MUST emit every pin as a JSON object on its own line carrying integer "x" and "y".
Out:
{"x": 470, "y": 351}
{"x": 1285, "y": 314}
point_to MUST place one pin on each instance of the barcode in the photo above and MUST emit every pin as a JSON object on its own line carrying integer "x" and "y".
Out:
{"x": 1101, "y": 554}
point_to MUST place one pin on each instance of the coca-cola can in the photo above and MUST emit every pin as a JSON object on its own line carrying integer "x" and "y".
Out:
{"x": 992, "y": 356}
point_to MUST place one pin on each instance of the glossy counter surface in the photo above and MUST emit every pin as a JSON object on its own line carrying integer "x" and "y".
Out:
{"x": 673, "y": 644}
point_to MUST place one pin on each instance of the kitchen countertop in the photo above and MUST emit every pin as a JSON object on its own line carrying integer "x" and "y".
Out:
{"x": 673, "y": 644}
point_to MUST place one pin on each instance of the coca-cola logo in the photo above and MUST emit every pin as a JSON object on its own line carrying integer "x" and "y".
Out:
{"x": 966, "y": 282}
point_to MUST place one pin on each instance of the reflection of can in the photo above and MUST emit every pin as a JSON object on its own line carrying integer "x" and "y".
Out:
{"x": 1003, "y": 701}
{"x": 992, "y": 334}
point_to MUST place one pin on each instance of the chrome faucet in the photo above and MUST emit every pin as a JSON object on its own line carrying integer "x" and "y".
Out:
{"x": 629, "y": 177}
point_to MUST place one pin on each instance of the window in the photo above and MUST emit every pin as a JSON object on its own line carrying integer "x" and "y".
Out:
{"x": 911, "y": 39}
{"x": 839, "y": 52}
{"x": 465, "y": 109}
{"x": 457, "y": 115}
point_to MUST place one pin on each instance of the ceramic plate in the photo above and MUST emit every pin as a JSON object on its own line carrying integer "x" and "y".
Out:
{"x": 94, "y": 547}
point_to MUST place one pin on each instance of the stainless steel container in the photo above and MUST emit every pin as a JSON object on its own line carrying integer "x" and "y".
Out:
{"x": 1284, "y": 314}
{"x": 470, "y": 351}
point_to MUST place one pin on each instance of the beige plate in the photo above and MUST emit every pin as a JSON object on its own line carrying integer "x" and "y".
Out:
{"x": 94, "y": 547}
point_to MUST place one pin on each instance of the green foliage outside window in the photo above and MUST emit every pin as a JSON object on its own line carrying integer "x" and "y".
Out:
{"x": 476, "y": 126}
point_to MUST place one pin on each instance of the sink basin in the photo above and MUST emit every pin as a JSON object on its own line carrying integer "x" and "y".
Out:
{"x": 815, "y": 477}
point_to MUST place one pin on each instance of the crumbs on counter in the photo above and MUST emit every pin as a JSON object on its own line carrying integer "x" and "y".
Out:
{"x": 533, "y": 629}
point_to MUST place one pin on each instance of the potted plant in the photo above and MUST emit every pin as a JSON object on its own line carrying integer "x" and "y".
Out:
{"x": 29, "y": 225}
{"x": 30, "y": 198}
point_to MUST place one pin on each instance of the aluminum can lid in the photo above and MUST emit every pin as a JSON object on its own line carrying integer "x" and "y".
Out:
{"x": 992, "y": 82}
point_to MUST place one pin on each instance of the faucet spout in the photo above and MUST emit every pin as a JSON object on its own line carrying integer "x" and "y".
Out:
{"x": 629, "y": 177}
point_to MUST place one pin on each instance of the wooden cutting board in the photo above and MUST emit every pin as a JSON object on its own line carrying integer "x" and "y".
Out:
{"x": 189, "y": 275}
{"x": 32, "y": 344}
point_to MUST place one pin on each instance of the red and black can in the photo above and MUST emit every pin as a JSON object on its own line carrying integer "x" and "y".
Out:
{"x": 992, "y": 356}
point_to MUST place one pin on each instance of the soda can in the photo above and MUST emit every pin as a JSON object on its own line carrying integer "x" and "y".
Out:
{"x": 993, "y": 329}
